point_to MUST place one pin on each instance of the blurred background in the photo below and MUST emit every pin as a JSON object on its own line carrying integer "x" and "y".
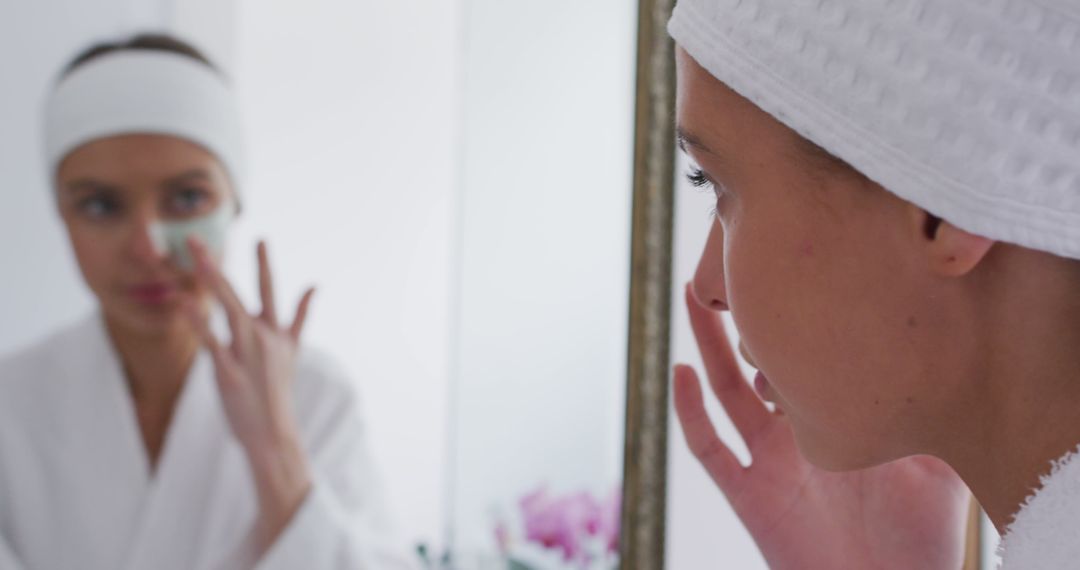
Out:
{"x": 455, "y": 178}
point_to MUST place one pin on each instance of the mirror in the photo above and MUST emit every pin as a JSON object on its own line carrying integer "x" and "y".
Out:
{"x": 540, "y": 345}
{"x": 456, "y": 179}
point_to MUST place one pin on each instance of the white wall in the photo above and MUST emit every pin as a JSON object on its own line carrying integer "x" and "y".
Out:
{"x": 352, "y": 113}
{"x": 544, "y": 276}
{"x": 209, "y": 24}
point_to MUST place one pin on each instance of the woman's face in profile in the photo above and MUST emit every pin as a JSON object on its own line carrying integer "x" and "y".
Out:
{"x": 817, "y": 265}
{"x": 110, "y": 192}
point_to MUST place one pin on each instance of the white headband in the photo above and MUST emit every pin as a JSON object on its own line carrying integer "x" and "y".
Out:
{"x": 968, "y": 108}
{"x": 144, "y": 92}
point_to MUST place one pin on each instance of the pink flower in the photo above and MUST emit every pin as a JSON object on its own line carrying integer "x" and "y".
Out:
{"x": 562, "y": 523}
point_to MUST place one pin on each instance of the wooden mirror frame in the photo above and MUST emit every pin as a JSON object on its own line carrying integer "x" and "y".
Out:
{"x": 645, "y": 455}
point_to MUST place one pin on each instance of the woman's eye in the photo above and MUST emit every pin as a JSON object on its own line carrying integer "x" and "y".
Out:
{"x": 187, "y": 201}
{"x": 698, "y": 179}
{"x": 99, "y": 207}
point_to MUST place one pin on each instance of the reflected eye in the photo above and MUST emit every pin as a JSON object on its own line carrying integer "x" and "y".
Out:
{"x": 187, "y": 201}
{"x": 99, "y": 206}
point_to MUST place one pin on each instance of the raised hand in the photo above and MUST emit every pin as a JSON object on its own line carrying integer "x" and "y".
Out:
{"x": 905, "y": 514}
{"x": 255, "y": 371}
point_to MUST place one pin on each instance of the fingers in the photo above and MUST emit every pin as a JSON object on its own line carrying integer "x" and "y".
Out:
{"x": 201, "y": 323}
{"x": 742, "y": 405}
{"x": 266, "y": 287}
{"x": 301, "y": 315}
{"x": 223, "y": 359}
{"x": 239, "y": 320}
{"x": 714, "y": 455}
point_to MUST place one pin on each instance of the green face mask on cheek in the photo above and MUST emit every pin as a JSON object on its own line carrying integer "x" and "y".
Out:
{"x": 170, "y": 238}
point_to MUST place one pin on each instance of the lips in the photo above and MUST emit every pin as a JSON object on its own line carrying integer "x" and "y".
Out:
{"x": 152, "y": 293}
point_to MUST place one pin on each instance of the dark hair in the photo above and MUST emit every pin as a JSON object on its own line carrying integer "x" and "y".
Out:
{"x": 145, "y": 42}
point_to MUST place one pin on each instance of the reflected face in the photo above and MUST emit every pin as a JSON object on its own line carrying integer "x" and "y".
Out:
{"x": 109, "y": 192}
{"x": 815, "y": 263}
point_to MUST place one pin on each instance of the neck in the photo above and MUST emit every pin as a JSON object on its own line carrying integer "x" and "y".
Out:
{"x": 1015, "y": 440}
{"x": 1020, "y": 413}
{"x": 155, "y": 365}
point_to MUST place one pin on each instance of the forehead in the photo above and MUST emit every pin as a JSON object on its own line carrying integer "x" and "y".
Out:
{"x": 135, "y": 158}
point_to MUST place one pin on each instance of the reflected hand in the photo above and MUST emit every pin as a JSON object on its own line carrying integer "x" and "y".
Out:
{"x": 905, "y": 514}
{"x": 255, "y": 373}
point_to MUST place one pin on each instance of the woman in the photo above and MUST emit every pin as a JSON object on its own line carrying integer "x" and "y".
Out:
{"x": 146, "y": 435}
{"x": 897, "y": 237}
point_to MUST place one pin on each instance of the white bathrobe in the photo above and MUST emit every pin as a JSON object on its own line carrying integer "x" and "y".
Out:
{"x": 77, "y": 492}
{"x": 1045, "y": 533}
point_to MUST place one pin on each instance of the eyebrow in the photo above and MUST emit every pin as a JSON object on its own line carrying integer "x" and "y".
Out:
{"x": 92, "y": 185}
{"x": 687, "y": 140}
{"x": 189, "y": 176}
{"x": 88, "y": 185}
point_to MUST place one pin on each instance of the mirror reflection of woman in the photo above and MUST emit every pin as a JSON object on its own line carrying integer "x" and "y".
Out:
{"x": 154, "y": 434}
{"x": 897, "y": 237}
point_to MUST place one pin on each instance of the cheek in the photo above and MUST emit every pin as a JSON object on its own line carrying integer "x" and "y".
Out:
{"x": 821, "y": 315}
{"x": 783, "y": 300}
{"x": 767, "y": 273}
{"x": 95, "y": 254}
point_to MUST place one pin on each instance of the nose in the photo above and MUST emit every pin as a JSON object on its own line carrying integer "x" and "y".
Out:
{"x": 708, "y": 286}
{"x": 145, "y": 242}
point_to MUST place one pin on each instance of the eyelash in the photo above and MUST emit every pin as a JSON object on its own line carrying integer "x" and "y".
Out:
{"x": 697, "y": 178}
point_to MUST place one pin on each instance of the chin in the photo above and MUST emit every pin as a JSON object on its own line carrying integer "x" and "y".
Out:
{"x": 149, "y": 321}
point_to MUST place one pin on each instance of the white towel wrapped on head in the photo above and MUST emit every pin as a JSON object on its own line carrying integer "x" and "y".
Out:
{"x": 968, "y": 108}
{"x": 144, "y": 92}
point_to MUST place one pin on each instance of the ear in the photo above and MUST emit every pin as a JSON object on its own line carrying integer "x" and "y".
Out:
{"x": 950, "y": 251}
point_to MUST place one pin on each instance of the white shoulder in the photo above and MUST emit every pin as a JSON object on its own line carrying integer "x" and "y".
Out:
{"x": 39, "y": 366}
{"x": 320, "y": 375}
{"x": 326, "y": 398}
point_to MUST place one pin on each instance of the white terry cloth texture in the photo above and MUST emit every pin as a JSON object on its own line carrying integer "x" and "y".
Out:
{"x": 969, "y": 109}
{"x": 145, "y": 92}
{"x": 1045, "y": 533}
